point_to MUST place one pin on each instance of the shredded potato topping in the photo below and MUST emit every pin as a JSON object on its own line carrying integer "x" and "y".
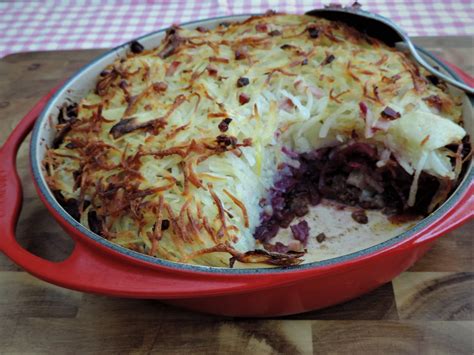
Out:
{"x": 172, "y": 153}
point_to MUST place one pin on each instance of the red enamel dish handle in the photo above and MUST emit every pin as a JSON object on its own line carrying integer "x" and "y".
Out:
{"x": 87, "y": 269}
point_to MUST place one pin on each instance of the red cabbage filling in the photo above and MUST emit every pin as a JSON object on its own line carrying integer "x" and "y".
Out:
{"x": 348, "y": 174}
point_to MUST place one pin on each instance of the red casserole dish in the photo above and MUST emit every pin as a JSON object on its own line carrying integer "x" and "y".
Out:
{"x": 99, "y": 266}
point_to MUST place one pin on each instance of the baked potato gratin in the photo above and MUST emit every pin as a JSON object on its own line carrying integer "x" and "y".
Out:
{"x": 200, "y": 150}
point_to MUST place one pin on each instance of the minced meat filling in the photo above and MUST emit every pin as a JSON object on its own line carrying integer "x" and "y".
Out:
{"x": 349, "y": 174}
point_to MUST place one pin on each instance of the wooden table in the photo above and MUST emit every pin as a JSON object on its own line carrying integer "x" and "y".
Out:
{"x": 428, "y": 309}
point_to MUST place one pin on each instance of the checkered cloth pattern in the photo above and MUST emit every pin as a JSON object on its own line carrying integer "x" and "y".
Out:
{"x": 76, "y": 24}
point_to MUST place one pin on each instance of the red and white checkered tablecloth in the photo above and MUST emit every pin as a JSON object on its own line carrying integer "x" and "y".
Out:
{"x": 75, "y": 24}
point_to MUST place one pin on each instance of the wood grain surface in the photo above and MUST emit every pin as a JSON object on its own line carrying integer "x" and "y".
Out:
{"x": 427, "y": 310}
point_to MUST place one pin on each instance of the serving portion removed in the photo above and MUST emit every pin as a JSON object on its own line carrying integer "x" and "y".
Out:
{"x": 244, "y": 142}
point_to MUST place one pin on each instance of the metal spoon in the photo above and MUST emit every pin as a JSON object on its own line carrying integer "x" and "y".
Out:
{"x": 387, "y": 31}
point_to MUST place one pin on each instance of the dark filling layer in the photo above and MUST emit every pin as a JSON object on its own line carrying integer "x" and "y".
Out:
{"x": 348, "y": 174}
